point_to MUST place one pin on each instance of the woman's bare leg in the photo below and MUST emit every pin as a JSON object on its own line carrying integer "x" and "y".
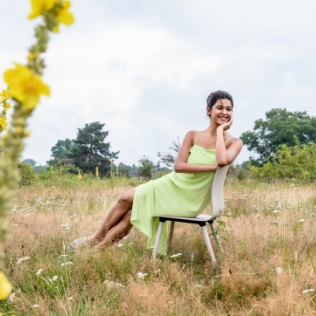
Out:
{"x": 115, "y": 215}
{"x": 118, "y": 232}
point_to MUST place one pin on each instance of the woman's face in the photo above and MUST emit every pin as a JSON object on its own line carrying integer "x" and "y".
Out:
{"x": 221, "y": 111}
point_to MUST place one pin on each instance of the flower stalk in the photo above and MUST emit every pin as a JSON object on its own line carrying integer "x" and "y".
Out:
{"x": 25, "y": 89}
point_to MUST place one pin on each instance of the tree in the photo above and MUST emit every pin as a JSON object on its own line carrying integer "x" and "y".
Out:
{"x": 90, "y": 151}
{"x": 32, "y": 162}
{"x": 62, "y": 152}
{"x": 146, "y": 168}
{"x": 168, "y": 158}
{"x": 279, "y": 128}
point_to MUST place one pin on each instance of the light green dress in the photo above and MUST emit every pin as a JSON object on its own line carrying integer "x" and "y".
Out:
{"x": 175, "y": 194}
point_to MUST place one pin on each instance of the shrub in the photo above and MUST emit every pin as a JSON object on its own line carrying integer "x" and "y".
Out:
{"x": 297, "y": 162}
{"x": 27, "y": 173}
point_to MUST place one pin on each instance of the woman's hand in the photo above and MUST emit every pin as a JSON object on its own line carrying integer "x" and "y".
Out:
{"x": 226, "y": 126}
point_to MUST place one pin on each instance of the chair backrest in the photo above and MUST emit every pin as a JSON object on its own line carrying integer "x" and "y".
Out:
{"x": 217, "y": 190}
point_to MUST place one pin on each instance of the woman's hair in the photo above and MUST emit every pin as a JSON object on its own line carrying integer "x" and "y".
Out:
{"x": 218, "y": 95}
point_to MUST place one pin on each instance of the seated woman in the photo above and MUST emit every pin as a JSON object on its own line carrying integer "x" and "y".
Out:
{"x": 184, "y": 192}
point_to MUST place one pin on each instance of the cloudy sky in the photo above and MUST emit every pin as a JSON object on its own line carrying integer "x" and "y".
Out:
{"x": 145, "y": 68}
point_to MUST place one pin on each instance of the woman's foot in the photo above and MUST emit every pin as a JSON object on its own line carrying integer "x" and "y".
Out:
{"x": 79, "y": 242}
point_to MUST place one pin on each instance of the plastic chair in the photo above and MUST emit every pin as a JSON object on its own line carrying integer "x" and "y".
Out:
{"x": 218, "y": 206}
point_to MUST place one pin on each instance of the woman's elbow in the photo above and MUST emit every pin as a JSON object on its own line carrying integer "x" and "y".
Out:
{"x": 178, "y": 167}
{"x": 223, "y": 162}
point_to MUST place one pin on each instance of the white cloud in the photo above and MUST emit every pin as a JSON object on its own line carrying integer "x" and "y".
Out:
{"x": 145, "y": 69}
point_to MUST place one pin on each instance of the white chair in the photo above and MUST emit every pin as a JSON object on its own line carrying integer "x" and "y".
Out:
{"x": 218, "y": 206}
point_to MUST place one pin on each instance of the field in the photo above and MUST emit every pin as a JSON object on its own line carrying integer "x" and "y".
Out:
{"x": 267, "y": 230}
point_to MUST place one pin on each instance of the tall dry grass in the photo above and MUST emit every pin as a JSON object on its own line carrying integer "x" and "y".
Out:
{"x": 268, "y": 226}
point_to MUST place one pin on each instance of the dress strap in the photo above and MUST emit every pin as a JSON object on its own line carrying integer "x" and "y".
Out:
{"x": 196, "y": 138}
{"x": 229, "y": 140}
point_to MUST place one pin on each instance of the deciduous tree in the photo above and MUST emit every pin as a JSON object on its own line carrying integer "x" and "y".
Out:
{"x": 279, "y": 127}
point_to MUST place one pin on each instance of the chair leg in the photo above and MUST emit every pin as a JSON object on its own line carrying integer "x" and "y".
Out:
{"x": 170, "y": 236}
{"x": 217, "y": 239}
{"x": 159, "y": 232}
{"x": 208, "y": 243}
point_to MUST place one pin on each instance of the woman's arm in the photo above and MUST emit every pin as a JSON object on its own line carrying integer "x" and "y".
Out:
{"x": 181, "y": 165}
{"x": 225, "y": 156}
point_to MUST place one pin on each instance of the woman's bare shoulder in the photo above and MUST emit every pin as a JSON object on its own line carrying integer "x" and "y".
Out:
{"x": 229, "y": 138}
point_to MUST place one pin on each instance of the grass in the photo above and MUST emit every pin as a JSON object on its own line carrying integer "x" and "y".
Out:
{"x": 264, "y": 229}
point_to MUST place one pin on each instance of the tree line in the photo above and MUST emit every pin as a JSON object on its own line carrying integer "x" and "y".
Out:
{"x": 283, "y": 142}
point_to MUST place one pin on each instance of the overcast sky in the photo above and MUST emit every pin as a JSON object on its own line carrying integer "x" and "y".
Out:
{"x": 145, "y": 68}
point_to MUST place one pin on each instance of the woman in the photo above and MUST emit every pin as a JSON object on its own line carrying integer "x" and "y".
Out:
{"x": 184, "y": 192}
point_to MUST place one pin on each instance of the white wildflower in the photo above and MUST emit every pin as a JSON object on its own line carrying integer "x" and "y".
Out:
{"x": 112, "y": 285}
{"x": 11, "y": 297}
{"x": 300, "y": 220}
{"x": 120, "y": 245}
{"x": 141, "y": 275}
{"x": 54, "y": 278}
{"x": 279, "y": 270}
{"x": 176, "y": 255}
{"x": 65, "y": 225}
{"x": 23, "y": 259}
{"x": 39, "y": 271}
{"x": 308, "y": 291}
{"x": 152, "y": 247}
{"x": 35, "y": 306}
{"x": 67, "y": 263}
{"x": 276, "y": 211}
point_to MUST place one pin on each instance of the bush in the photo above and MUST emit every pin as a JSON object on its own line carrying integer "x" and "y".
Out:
{"x": 27, "y": 173}
{"x": 297, "y": 162}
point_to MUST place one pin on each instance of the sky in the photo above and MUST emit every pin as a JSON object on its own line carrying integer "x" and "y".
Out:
{"x": 145, "y": 68}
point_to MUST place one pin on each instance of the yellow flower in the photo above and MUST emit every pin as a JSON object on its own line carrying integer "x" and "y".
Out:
{"x": 25, "y": 87}
{"x": 64, "y": 16}
{"x": 5, "y": 287}
{"x": 39, "y": 6}
{"x": 3, "y": 123}
{"x": 79, "y": 175}
{"x": 4, "y": 95}
{"x": 26, "y": 134}
{"x": 18, "y": 130}
{"x": 32, "y": 56}
{"x": 7, "y": 105}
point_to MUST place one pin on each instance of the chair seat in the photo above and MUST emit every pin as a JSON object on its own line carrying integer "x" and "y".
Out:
{"x": 198, "y": 219}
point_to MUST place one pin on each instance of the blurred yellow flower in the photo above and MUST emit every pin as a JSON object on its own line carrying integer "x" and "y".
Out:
{"x": 4, "y": 95}
{"x": 26, "y": 134}
{"x": 25, "y": 87}
{"x": 39, "y": 6}
{"x": 5, "y": 287}
{"x": 7, "y": 105}
{"x": 32, "y": 56}
{"x": 79, "y": 176}
{"x": 3, "y": 123}
{"x": 18, "y": 130}
{"x": 64, "y": 16}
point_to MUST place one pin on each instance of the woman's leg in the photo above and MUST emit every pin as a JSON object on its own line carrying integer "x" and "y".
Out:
{"x": 118, "y": 232}
{"x": 114, "y": 217}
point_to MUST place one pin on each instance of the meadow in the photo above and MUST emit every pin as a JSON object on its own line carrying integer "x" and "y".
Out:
{"x": 267, "y": 230}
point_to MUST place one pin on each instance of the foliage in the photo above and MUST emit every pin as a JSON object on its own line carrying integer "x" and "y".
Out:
{"x": 4, "y": 106}
{"x": 90, "y": 151}
{"x": 169, "y": 158}
{"x": 279, "y": 128}
{"x": 146, "y": 168}
{"x": 58, "y": 170}
{"x": 30, "y": 161}
{"x": 61, "y": 152}
{"x": 27, "y": 173}
{"x": 296, "y": 162}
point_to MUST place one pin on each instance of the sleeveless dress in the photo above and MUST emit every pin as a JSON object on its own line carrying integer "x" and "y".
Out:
{"x": 175, "y": 194}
